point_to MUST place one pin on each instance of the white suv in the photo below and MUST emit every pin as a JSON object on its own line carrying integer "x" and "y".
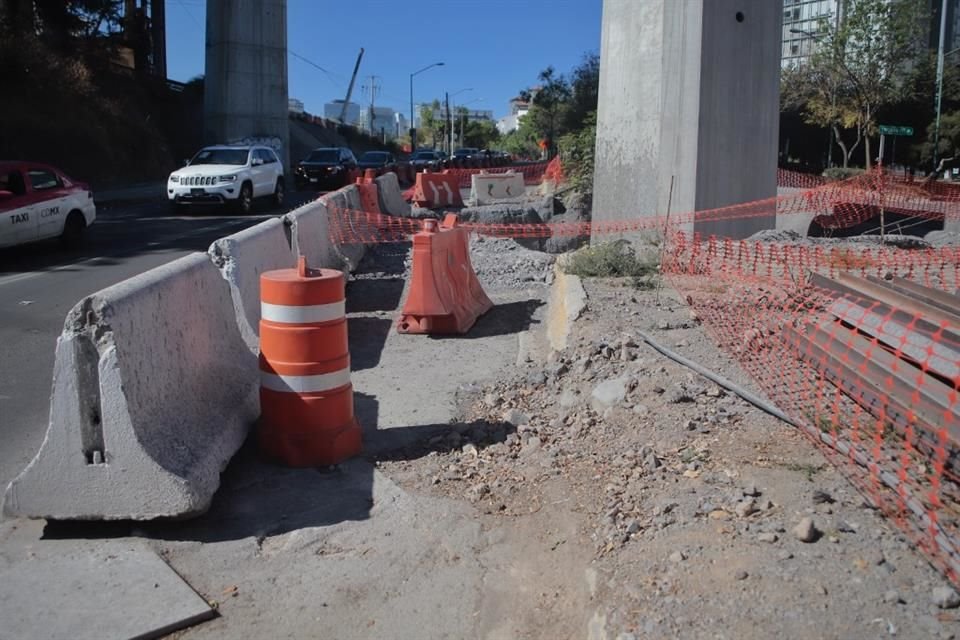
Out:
{"x": 228, "y": 175}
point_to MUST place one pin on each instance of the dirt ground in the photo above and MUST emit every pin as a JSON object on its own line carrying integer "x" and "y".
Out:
{"x": 636, "y": 499}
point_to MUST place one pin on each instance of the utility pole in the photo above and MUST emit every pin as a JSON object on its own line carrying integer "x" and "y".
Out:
{"x": 936, "y": 127}
{"x": 449, "y": 140}
{"x": 372, "y": 87}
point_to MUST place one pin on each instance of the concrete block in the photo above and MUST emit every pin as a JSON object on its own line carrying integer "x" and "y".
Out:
{"x": 347, "y": 235}
{"x": 241, "y": 258}
{"x": 488, "y": 188}
{"x": 391, "y": 198}
{"x": 153, "y": 391}
{"x": 87, "y": 595}
{"x": 310, "y": 234}
{"x": 566, "y": 304}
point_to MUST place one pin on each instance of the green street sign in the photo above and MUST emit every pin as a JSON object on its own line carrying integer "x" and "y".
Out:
{"x": 894, "y": 130}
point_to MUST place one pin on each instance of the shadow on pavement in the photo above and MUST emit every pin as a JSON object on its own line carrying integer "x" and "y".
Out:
{"x": 367, "y": 337}
{"x": 503, "y": 319}
{"x": 260, "y": 499}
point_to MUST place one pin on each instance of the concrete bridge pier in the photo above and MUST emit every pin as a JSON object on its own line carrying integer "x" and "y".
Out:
{"x": 689, "y": 90}
{"x": 245, "y": 88}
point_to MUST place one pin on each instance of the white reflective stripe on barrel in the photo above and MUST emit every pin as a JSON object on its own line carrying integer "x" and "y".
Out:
{"x": 305, "y": 384}
{"x": 289, "y": 314}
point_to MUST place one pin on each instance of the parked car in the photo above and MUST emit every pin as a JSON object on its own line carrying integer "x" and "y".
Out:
{"x": 465, "y": 153}
{"x": 326, "y": 168}
{"x": 379, "y": 161}
{"x": 228, "y": 175}
{"x": 426, "y": 159}
{"x": 38, "y": 201}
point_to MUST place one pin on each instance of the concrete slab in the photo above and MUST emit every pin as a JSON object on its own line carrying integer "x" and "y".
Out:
{"x": 113, "y": 593}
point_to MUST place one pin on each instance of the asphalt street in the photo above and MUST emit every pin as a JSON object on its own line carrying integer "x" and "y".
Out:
{"x": 39, "y": 283}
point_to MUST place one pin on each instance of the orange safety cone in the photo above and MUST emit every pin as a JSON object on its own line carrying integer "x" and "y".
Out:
{"x": 306, "y": 398}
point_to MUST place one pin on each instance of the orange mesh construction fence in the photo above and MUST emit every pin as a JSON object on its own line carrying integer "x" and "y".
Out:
{"x": 858, "y": 344}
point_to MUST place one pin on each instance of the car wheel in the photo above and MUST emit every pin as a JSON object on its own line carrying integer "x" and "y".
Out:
{"x": 73, "y": 231}
{"x": 177, "y": 208}
{"x": 278, "y": 192}
{"x": 245, "y": 199}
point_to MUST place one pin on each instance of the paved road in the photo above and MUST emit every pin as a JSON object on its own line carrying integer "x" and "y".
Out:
{"x": 39, "y": 284}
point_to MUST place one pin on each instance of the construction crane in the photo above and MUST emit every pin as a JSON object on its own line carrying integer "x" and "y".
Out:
{"x": 346, "y": 102}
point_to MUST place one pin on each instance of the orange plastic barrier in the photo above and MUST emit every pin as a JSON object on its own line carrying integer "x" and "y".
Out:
{"x": 306, "y": 399}
{"x": 437, "y": 190}
{"x": 445, "y": 295}
{"x": 369, "y": 201}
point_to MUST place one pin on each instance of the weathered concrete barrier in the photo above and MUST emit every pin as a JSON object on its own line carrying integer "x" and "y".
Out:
{"x": 487, "y": 188}
{"x": 154, "y": 390}
{"x": 391, "y": 198}
{"x": 241, "y": 258}
{"x": 343, "y": 224}
{"x": 309, "y": 227}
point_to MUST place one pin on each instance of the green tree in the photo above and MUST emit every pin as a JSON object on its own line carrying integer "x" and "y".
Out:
{"x": 577, "y": 153}
{"x": 584, "y": 92}
{"x": 550, "y": 104}
{"x": 431, "y": 126}
{"x": 859, "y": 68}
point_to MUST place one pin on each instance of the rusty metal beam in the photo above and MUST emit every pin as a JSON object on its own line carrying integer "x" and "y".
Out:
{"x": 946, "y": 302}
{"x": 916, "y": 338}
{"x": 880, "y": 382}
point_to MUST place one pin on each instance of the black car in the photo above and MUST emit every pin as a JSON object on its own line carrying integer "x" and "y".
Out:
{"x": 326, "y": 168}
{"x": 425, "y": 159}
{"x": 379, "y": 161}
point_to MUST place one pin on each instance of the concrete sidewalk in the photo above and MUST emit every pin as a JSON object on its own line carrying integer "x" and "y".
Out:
{"x": 348, "y": 553}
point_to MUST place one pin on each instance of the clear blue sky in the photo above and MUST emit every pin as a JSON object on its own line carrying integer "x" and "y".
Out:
{"x": 495, "y": 47}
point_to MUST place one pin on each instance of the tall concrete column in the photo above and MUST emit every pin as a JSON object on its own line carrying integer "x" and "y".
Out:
{"x": 689, "y": 90}
{"x": 245, "y": 86}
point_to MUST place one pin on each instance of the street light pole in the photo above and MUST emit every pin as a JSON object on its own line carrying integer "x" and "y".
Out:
{"x": 452, "y": 110}
{"x": 413, "y": 126}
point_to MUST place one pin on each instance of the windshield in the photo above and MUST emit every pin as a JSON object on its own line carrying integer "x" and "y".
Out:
{"x": 221, "y": 156}
{"x": 324, "y": 155}
{"x": 464, "y": 152}
{"x": 374, "y": 156}
{"x": 424, "y": 155}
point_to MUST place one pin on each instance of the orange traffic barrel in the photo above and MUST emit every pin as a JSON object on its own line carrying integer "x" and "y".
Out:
{"x": 306, "y": 398}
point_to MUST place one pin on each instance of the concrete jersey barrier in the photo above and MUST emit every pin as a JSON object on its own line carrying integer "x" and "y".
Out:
{"x": 310, "y": 234}
{"x": 391, "y": 198}
{"x": 346, "y": 198}
{"x": 242, "y": 257}
{"x": 488, "y": 188}
{"x": 154, "y": 390}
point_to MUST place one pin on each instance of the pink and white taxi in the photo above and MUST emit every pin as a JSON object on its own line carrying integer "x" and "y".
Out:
{"x": 38, "y": 201}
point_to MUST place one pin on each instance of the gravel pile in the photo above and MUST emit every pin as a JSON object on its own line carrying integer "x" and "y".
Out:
{"x": 502, "y": 263}
{"x": 704, "y": 517}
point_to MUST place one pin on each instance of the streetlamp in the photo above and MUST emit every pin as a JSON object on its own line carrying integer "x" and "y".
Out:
{"x": 449, "y": 122}
{"x": 413, "y": 126}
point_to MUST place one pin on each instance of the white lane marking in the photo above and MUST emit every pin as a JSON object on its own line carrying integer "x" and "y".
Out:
{"x": 290, "y": 314}
{"x": 305, "y": 384}
{"x": 32, "y": 274}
